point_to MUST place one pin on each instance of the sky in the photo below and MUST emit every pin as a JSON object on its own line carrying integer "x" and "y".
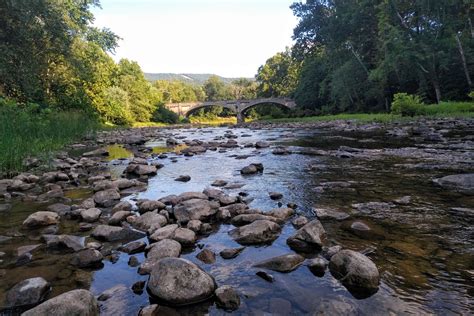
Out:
{"x": 230, "y": 38}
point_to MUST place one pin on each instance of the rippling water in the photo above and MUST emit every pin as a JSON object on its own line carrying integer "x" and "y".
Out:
{"x": 424, "y": 254}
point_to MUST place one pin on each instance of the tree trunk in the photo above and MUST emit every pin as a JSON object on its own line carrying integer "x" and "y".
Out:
{"x": 470, "y": 26}
{"x": 437, "y": 89}
{"x": 464, "y": 63}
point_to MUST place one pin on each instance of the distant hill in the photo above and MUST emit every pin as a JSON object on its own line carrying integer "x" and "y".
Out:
{"x": 198, "y": 79}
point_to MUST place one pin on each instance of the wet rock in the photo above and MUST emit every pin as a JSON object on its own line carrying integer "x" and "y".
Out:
{"x": 87, "y": 258}
{"x": 94, "y": 245}
{"x": 360, "y": 229}
{"x": 356, "y": 272}
{"x": 184, "y": 236}
{"x": 261, "y": 144}
{"x": 330, "y": 214}
{"x": 84, "y": 227}
{"x": 23, "y": 250}
{"x": 281, "y": 213}
{"x": 133, "y": 247}
{"x": 107, "y": 198}
{"x": 96, "y": 153}
{"x": 59, "y": 208}
{"x": 119, "y": 217}
{"x": 258, "y": 232}
{"x": 91, "y": 215}
{"x": 133, "y": 261}
{"x": 227, "y": 298}
{"x": 331, "y": 251}
{"x": 42, "y": 218}
{"x": 284, "y": 263}
{"x": 299, "y": 222}
{"x": 183, "y": 178}
{"x": 145, "y": 206}
{"x": 28, "y": 292}
{"x": 308, "y": 238}
{"x": 5, "y": 207}
{"x": 266, "y": 276}
{"x": 76, "y": 302}
{"x": 138, "y": 287}
{"x": 180, "y": 282}
{"x": 206, "y": 256}
{"x": 163, "y": 233}
{"x": 64, "y": 242}
{"x": 150, "y": 221}
{"x": 165, "y": 248}
{"x": 141, "y": 170}
{"x": 223, "y": 215}
{"x": 213, "y": 194}
{"x": 219, "y": 183}
{"x": 194, "y": 209}
{"x": 192, "y": 195}
{"x": 225, "y": 200}
{"x": 275, "y": 195}
{"x": 318, "y": 266}
{"x": 235, "y": 209}
{"x": 251, "y": 169}
{"x": 122, "y": 206}
{"x": 372, "y": 207}
{"x": 231, "y": 253}
{"x": 245, "y": 219}
{"x": 88, "y": 203}
{"x": 405, "y": 200}
{"x": 459, "y": 182}
{"x": 150, "y": 310}
{"x": 113, "y": 233}
{"x": 194, "y": 225}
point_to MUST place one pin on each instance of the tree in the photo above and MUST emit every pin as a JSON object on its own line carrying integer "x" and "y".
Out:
{"x": 216, "y": 90}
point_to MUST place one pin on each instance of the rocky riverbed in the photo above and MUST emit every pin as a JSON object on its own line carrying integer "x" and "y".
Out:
{"x": 323, "y": 218}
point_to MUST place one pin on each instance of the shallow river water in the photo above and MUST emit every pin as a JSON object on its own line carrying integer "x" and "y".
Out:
{"x": 423, "y": 250}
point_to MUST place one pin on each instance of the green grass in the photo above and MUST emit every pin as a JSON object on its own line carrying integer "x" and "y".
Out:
{"x": 444, "y": 109}
{"x": 212, "y": 121}
{"x": 26, "y": 134}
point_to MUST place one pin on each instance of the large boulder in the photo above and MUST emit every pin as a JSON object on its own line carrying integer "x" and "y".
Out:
{"x": 281, "y": 213}
{"x": 107, "y": 198}
{"x": 193, "y": 209}
{"x": 180, "y": 282}
{"x": 113, "y": 233}
{"x": 284, "y": 263}
{"x": 356, "y": 271}
{"x": 163, "y": 233}
{"x": 41, "y": 219}
{"x": 87, "y": 258}
{"x": 141, "y": 170}
{"x": 76, "y": 302}
{"x": 258, "y": 232}
{"x": 166, "y": 248}
{"x": 28, "y": 292}
{"x": 150, "y": 206}
{"x": 91, "y": 215}
{"x": 458, "y": 182}
{"x": 245, "y": 219}
{"x": 308, "y": 238}
{"x": 149, "y": 221}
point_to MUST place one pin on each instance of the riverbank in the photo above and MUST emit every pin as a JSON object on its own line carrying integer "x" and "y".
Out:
{"x": 238, "y": 204}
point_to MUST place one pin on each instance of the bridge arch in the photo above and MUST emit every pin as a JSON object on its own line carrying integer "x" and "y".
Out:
{"x": 197, "y": 107}
{"x": 281, "y": 102}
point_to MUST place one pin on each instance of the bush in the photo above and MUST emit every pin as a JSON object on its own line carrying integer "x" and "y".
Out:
{"x": 164, "y": 115}
{"x": 471, "y": 95}
{"x": 407, "y": 105}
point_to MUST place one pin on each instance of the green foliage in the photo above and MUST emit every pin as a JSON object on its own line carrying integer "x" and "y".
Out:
{"x": 407, "y": 105}
{"x": 279, "y": 76}
{"x": 163, "y": 115}
{"x": 471, "y": 95}
{"x": 216, "y": 90}
{"x": 30, "y": 130}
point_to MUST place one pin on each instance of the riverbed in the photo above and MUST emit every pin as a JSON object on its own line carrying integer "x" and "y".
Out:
{"x": 420, "y": 234}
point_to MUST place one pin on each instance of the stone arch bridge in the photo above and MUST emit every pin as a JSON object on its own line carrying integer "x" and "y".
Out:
{"x": 239, "y": 107}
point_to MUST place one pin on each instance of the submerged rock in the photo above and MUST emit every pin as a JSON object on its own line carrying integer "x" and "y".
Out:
{"x": 231, "y": 253}
{"x": 459, "y": 182}
{"x": 76, "y": 302}
{"x": 206, "y": 256}
{"x": 227, "y": 298}
{"x": 356, "y": 272}
{"x": 180, "y": 282}
{"x": 284, "y": 263}
{"x": 87, "y": 258}
{"x": 64, "y": 242}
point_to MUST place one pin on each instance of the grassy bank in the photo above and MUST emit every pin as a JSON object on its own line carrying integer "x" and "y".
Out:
{"x": 212, "y": 121}
{"x": 444, "y": 109}
{"x": 26, "y": 133}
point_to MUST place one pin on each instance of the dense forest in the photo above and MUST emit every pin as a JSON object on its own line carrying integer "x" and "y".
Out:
{"x": 348, "y": 57}
{"x": 354, "y": 56}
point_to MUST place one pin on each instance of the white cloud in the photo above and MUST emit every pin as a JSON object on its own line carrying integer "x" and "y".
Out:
{"x": 230, "y": 38}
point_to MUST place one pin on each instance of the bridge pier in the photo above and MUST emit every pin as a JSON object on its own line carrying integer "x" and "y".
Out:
{"x": 240, "y": 117}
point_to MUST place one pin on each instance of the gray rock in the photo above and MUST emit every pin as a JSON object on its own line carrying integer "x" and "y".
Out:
{"x": 150, "y": 206}
{"x": 250, "y": 169}
{"x": 133, "y": 247}
{"x": 275, "y": 195}
{"x": 360, "y": 229}
{"x": 258, "y": 232}
{"x": 330, "y": 214}
{"x": 43, "y": 218}
{"x": 194, "y": 225}
{"x": 356, "y": 272}
{"x": 308, "y": 238}
{"x": 87, "y": 258}
{"x": 227, "y": 298}
{"x": 64, "y": 242}
{"x": 113, "y": 233}
{"x": 318, "y": 266}
{"x": 281, "y": 213}
{"x": 150, "y": 221}
{"x": 459, "y": 182}
{"x": 194, "y": 209}
{"x": 59, "y": 208}
{"x": 183, "y": 178}
{"x": 180, "y": 282}
{"x": 219, "y": 183}
{"x": 299, "y": 222}
{"x": 28, "y": 292}
{"x": 123, "y": 206}
{"x": 141, "y": 170}
{"x": 150, "y": 310}
{"x": 76, "y": 302}
{"x": 231, "y": 253}
{"x": 91, "y": 215}
{"x": 119, "y": 217}
{"x": 207, "y": 256}
{"x": 184, "y": 236}
{"x": 192, "y": 195}
{"x": 107, "y": 198}
{"x": 284, "y": 263}
{"x": 245, "y": 219}
{"x": 163, "y": 233}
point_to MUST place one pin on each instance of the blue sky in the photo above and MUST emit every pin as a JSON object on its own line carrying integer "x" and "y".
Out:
{"x": 230, "y": 38}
